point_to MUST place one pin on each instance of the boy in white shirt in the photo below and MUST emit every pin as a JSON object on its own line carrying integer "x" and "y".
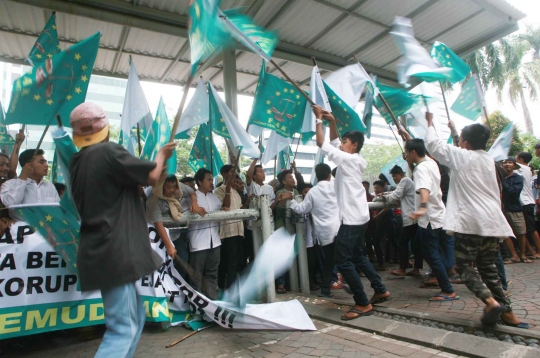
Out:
{"x": 429, "y": 214}
{"x": 474, "y": 216}
{"x": 353, "y": 214}
{"x": 321, "y": 202}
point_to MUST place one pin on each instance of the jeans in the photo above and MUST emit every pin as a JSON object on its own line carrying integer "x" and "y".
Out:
{"x": 182, "y": 249}
{"x": 348, "y": 255}
{"x": 228, "y": 263}
{"x": 408, "y": 237}
{"x": 124, "y": 318}
{"x": 430, "y": 240}
{"x": 327, "y": 268}
{"x": 447, "y": 251}
{"x": 501, "y": 271}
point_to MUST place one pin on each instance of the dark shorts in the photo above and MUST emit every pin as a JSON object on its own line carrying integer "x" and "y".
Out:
{"x": 528, "y": 214}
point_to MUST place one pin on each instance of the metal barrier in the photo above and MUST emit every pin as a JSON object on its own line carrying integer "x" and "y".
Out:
{"x": 261, "y": 216}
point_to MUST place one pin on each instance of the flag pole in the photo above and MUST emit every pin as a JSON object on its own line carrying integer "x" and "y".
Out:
{"x": 292, "y": 82}
{"x": 480, "y": 93}
{"x": 139, "y": 138}
{"x": 181, "y": 106}
{"x": 275, "y": 166}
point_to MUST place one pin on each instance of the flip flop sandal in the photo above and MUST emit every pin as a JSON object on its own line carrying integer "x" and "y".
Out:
{"x": 359, "y": 314}
{"x": 491, "y": 317}
{"x": 412, "y": 274}
{"x": 444, "y": 298}
{"x": 508, "y": 262}
{"x": 395, "y": 273}
{"x": 376, "y": 300}
{"x": 526, "y": 261}
{"x": 521, "y": 325}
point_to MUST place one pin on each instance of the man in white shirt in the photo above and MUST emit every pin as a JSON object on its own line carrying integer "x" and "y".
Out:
{"x": 405, "y": 194}
{"x": 527, "y": 200}
{"x": 321, "y": 202}
{"x": 353, "y": 213}
{"x": 429, "y": 214}
{"x": 29, "y": 187}
{"x": 474, "y": 216}
{"x": 204, "y": 240}
{"x": 255, "y": 186}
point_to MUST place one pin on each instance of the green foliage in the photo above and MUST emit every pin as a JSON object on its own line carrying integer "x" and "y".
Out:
{"x": 377, "y": 155}
{"x": 497, "y": 122}
{"x": 528, "y": 146}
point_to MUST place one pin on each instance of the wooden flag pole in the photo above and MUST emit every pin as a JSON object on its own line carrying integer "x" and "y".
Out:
{"x": 181, "y": 107}
{"x": 139, "y": 138}
{"x": 292, "y": 82}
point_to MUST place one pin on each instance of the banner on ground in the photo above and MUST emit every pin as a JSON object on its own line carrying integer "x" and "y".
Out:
{"x": 38, "y": 293}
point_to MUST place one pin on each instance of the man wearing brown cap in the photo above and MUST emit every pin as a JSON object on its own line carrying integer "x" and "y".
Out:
{"x": 114, "y": 250}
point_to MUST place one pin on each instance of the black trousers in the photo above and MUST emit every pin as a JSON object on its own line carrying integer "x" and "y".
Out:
{"x": 408, "y": 236}
{"x": 228, "y": 264}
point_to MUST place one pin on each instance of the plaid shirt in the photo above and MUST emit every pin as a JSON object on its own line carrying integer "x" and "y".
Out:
{"x": 230, "y": 228}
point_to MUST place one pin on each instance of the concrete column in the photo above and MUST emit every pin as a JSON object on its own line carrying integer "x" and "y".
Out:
{"x": 230, "y": 87}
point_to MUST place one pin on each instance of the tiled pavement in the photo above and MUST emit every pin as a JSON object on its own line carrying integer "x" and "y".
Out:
{"x": 408, "y": 296}
{"x": 328, "y": 341}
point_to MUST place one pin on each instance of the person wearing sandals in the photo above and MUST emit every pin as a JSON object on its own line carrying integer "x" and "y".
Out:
{"x": 512, "y": 186}
{"x": 321, "y": 202}
{"x": 404, "y": 194}
{"x": 474, "y": 217}
{"x": 353, "y": 213}
{"x": 429, "y": 213}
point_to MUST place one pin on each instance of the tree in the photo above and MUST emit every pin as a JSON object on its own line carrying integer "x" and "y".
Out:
{"x": 377, "y": 155}
{"x": 498, "y": 121}
{"x": 528, "y": 146}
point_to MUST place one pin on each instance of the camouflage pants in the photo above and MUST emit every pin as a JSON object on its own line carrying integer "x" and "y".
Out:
{"x": 482, "y": 250}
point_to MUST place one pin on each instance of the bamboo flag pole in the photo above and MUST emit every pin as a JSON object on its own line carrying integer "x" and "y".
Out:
{"x": 181, "y": 107}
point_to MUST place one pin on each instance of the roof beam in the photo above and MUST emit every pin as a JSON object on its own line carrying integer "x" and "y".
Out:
{"x": 493, "y": 36}
{"x": 345, "y": 13}
{"x": 173, "y": 64}
{"x": 280, "y": 12}
{"x": 121, "y": 45}
{"x": 351, "y": 12}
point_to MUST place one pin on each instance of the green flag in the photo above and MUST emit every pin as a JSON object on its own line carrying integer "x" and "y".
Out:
{"x": 56, "y": 175}
{"x": 277, "y": 106}
{"x": 368, "y": 112}
{"x": 158, "y": 137}
{"x": 346, "y": 118}
{"x": 469, "y": 102}
{"x": 58, "y": 226}
{"x": 448, "y": 58}
{"x": 5, "y": 137}
{"x": 206, "y": 33}
{"x": 199, "y": 156}
{"x": 217, "y": 122}
{"x": 54, "y": 87}
{"x": 285, "y": 158}
{"x": 450, "y": 140}
{"x": 399, "y": 100}
{"x": 47, "y": 44}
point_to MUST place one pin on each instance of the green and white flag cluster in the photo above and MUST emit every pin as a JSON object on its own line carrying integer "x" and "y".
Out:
{"x": 5, "y": 137}
{"x": 199, "y": 156}
{"x": 470, "y": 100}
{"x": 47, "y": 44}
{"x": 55, "y": 87}
{"x": 399, "y": 100}
{"x": 346, "y": 117}
{"x": 448, "y": 59}
{"x": 416, "y": 61}
{"x": 158, "y": 137}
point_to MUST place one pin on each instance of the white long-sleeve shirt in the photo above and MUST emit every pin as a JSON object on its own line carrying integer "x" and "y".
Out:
{"x": 526, "y": 197}
{"x": 474, "y": 203}
{"x": 17, "y": 191}
{"x": 427, "y": 176}
{"x": 404, "y": 193}
{"x": 350, "y": 193}
{"x": 205, "y": 235}
{"x": 322, "y": 203}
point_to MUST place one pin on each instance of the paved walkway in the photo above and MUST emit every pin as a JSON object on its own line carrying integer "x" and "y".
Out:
{"x": 328, "y": 341}
{"x": 407, "y": 295}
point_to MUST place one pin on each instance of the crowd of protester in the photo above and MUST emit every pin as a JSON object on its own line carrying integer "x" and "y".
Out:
{"x": 453, "y": 207}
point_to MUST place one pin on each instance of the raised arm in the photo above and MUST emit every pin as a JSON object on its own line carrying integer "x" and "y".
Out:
{"x": 164, "y": 153}
{"x": 14, "y": 159}
{"x": 249, "y": 173}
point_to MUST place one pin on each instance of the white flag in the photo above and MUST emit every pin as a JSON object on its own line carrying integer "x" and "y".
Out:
{"x": 275, "y": 144}
{"x": 197, "y": 111}
{"x": 349, "y": 83}
{"x": 500, "y": 148}
{"x": 416, "y": 60}
{"x": 239, "y": 137}
{"x": 318, "y": 95}
{"x": 135, "y": 106}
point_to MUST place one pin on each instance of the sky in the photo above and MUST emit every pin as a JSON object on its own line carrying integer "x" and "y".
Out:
{"x": 172, "y": 94}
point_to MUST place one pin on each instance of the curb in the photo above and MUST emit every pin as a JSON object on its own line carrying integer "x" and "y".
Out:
{"x": 452, "y": 342}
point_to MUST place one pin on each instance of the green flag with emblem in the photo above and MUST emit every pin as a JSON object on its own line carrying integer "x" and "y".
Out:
{"x": 47, "y": 44}
{"x": 206, "y": 33}
{"x": 56, "y": 175}
{"x": 448, "y": 58}
{"x": 278, "y": 106}
{"x": 5, "y": 137}
{"x": 399, "y": 100}
{"x": 158, "y": 137}
{"x": 346, "y": 118}
{"x": 56, "y": 86}
{"x": 469, "y": 102}
{"x": 217, "y": 122}
{"x": 199, "y": 156}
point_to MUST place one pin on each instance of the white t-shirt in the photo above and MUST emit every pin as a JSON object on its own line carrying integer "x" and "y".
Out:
{"x": 405, "y": 194}
{"x": 259, "y": 190}
{"x": 427, "y": 176}
{"x": 526, "y": 197}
